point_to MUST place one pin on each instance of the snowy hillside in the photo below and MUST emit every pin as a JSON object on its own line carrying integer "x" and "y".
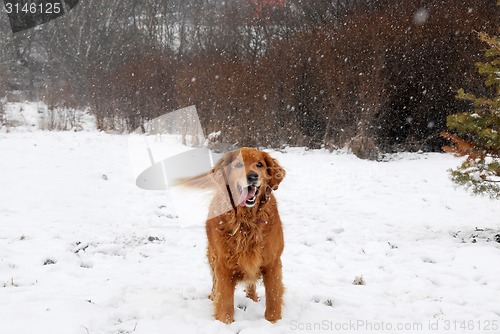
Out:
{"x": 84, "y": 251}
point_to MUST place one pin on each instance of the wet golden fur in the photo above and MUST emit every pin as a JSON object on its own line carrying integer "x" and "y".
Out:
{"x": 245, "y": 243}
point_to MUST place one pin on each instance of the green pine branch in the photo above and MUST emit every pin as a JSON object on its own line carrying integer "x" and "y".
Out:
{"x": 478, "y": 131}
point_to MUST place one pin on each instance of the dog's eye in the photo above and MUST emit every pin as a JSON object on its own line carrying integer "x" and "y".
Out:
{"x": 238, "y": 165}
{"x": 259, "y": 164}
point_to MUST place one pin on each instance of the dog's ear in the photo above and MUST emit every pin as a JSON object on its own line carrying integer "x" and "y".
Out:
{"x": 225, "y": 161}
{"x": 221, "y": 170}
{"x": 275, "y": 172}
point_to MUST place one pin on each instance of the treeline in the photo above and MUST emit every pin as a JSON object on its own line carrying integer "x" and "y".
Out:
{"x": 375, "y": 75}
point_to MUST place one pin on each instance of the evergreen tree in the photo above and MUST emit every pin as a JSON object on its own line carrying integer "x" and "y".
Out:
{"x": 476, "y": 134}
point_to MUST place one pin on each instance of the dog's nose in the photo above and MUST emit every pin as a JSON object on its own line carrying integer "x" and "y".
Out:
{"x": 252, "y": 177}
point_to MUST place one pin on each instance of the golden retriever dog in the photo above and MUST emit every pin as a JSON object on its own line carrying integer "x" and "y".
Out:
{"x": 245, "y": 236}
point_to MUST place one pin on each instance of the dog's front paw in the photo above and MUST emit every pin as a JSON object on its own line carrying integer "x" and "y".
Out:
{"x": 273, "y": 315}
{"x": 224, "y": 314}
{"x": 225, "y": 318}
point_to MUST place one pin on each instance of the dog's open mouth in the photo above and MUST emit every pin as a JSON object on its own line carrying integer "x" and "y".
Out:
{"x": 248, "y": 195}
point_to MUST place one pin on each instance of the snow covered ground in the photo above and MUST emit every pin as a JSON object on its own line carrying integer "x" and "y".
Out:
{"x": 84, "y": 251}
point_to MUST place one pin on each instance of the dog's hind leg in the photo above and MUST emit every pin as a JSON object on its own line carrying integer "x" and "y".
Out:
{"x": 251, "y": 292}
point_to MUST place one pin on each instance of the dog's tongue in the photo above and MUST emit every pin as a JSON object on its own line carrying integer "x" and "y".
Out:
{"x": 246, "y": 195}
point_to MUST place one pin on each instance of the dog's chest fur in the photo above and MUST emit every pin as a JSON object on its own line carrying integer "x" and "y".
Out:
{"x": 245, "y": 245}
